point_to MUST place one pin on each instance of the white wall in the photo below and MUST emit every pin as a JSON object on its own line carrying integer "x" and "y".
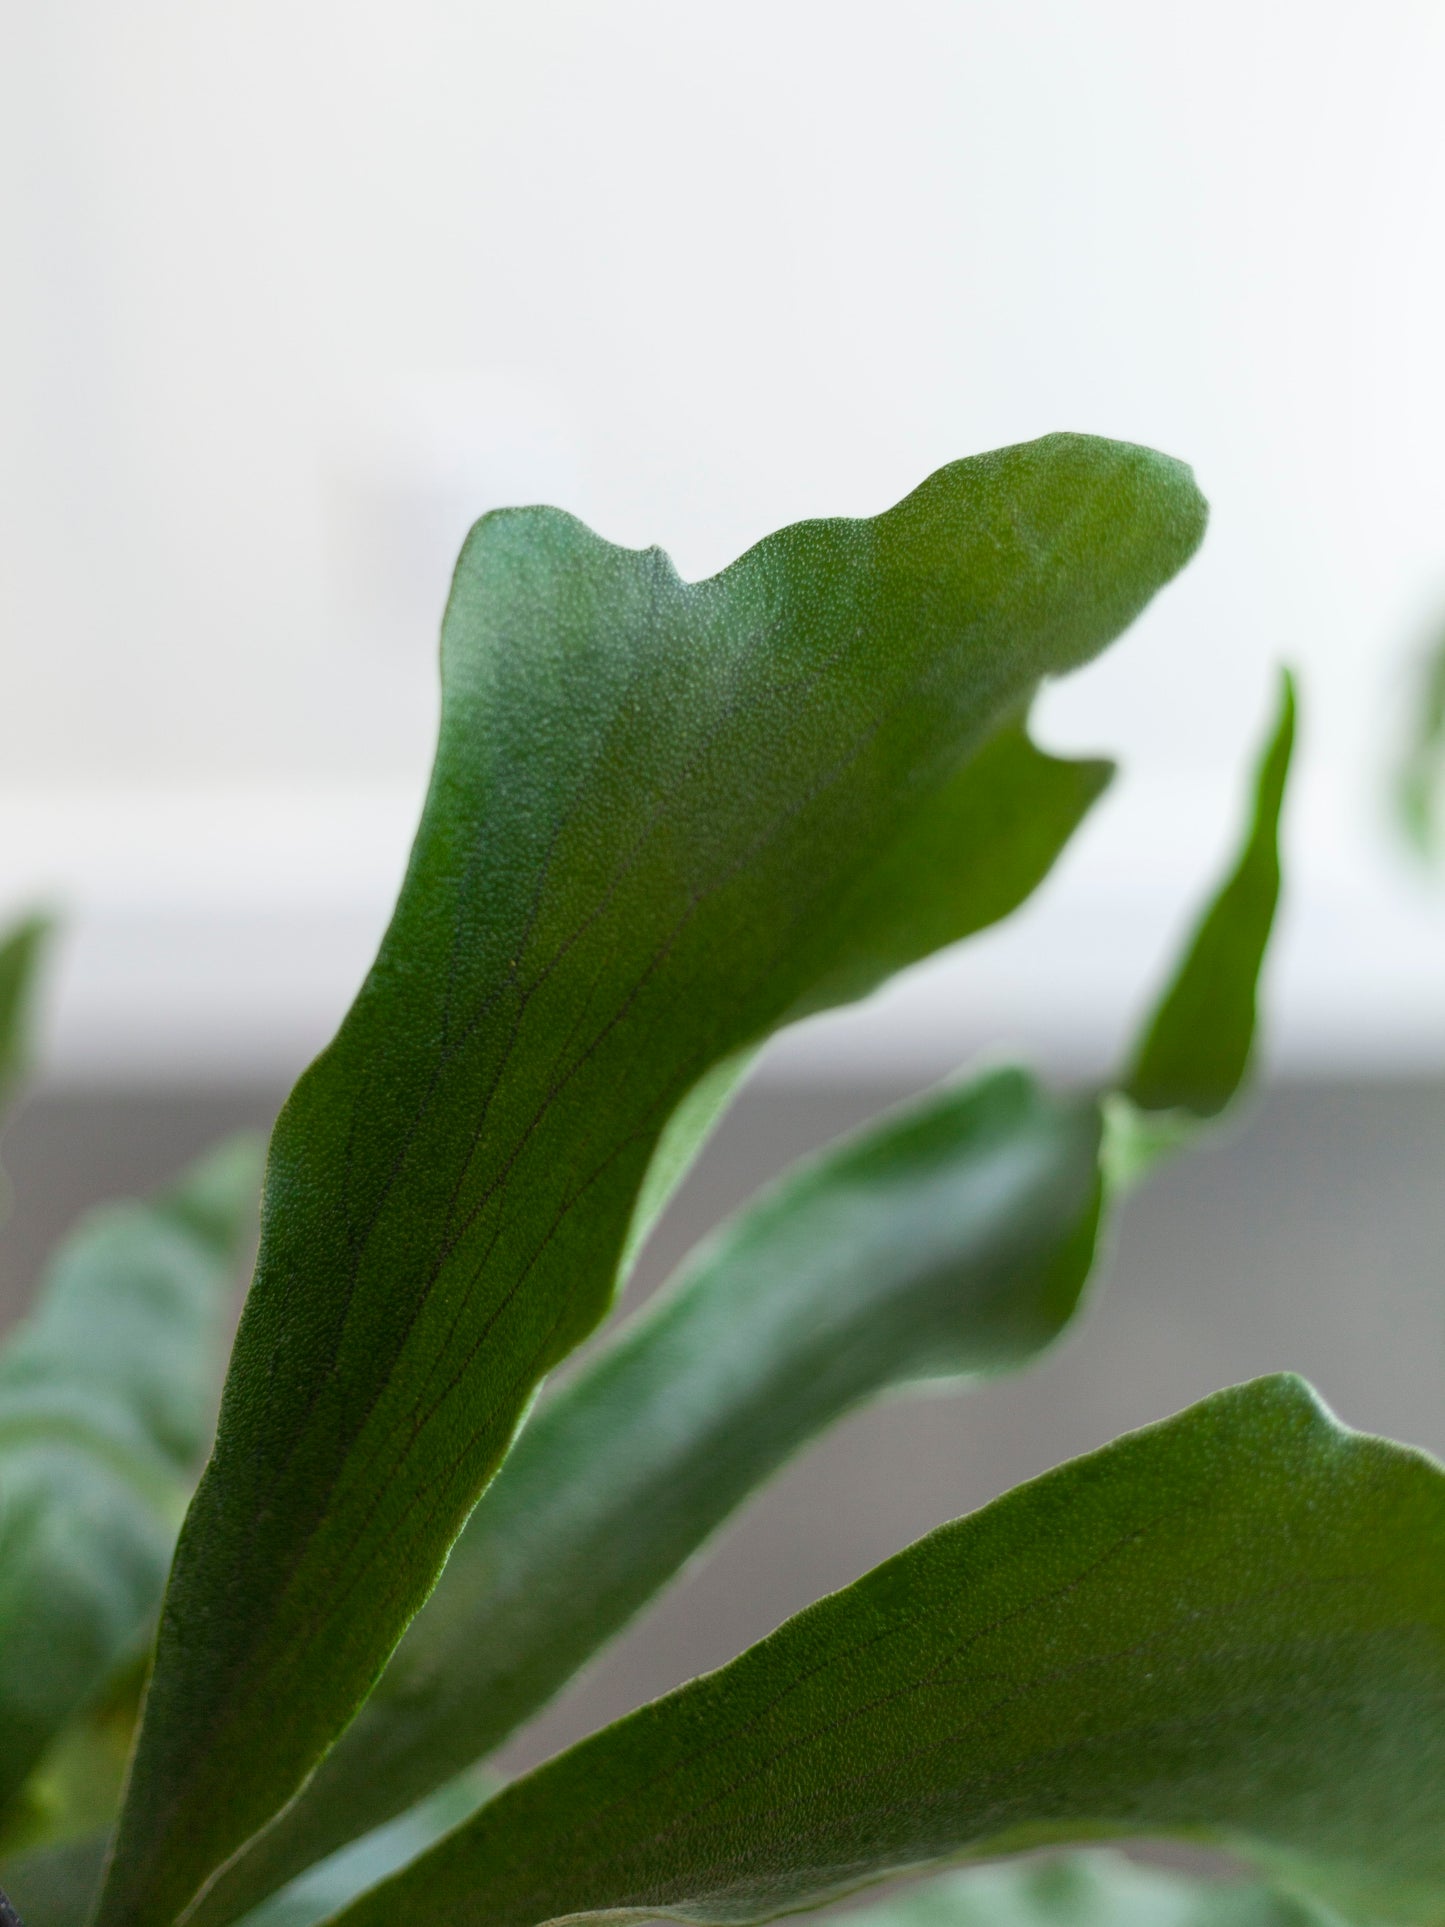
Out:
{"x": 293, "y": 290}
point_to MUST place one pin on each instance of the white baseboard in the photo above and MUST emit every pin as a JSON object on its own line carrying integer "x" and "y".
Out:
{"x": 219, "y": 935}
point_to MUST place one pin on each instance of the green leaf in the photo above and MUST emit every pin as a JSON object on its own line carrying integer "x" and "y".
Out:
{"x": 986, "y": 841}
{"x": 628, "y": 1470}
{"x": 1229, "y": 1626}
{"x": 20, "y": 953}
{"x": 652, "y": 802}
{"x": 988, "y": 837}
{"x": 1089, "y": 1890}
{"x": 106, "y": 1397}
{"x": 1195, "y": 1050}
{"x": 478, "y": 1661}
{"x": 809, "y": 1302}
{"x": 1195, "y": 1053}
{"x": 953, "y": 1238}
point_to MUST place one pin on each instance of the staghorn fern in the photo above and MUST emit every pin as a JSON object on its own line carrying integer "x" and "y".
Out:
{"x": 666, "y": 820}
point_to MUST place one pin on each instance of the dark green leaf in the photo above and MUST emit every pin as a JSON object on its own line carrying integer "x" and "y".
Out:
{"x": 651, "y": 805}
{"x": 1229, "y": 1626}
{"x": 951, "y": 1239}
{"x": 985, "y": 842}
{"x": 1195, "y": 1053}
{"x": 1089, "y": 1890}
{"x": 106, "y": 1399}
{"x": 812, "y": 1301}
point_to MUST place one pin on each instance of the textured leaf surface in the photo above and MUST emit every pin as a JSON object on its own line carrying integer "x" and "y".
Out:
{"x": 652, "y": 805}
{"x": 1230, "y": 1625}
{"x": 1089, "y": 1890}
{"x": 106, "y": 1399}
{"x": 985, "y": 841}
{"x": 971, "y": 1215}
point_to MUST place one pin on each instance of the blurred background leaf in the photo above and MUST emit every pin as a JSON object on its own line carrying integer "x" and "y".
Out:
{"x": 107, "y": 1396}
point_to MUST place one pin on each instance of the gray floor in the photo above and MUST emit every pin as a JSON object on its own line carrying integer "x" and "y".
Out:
{"x": 1310, "y": 1238}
